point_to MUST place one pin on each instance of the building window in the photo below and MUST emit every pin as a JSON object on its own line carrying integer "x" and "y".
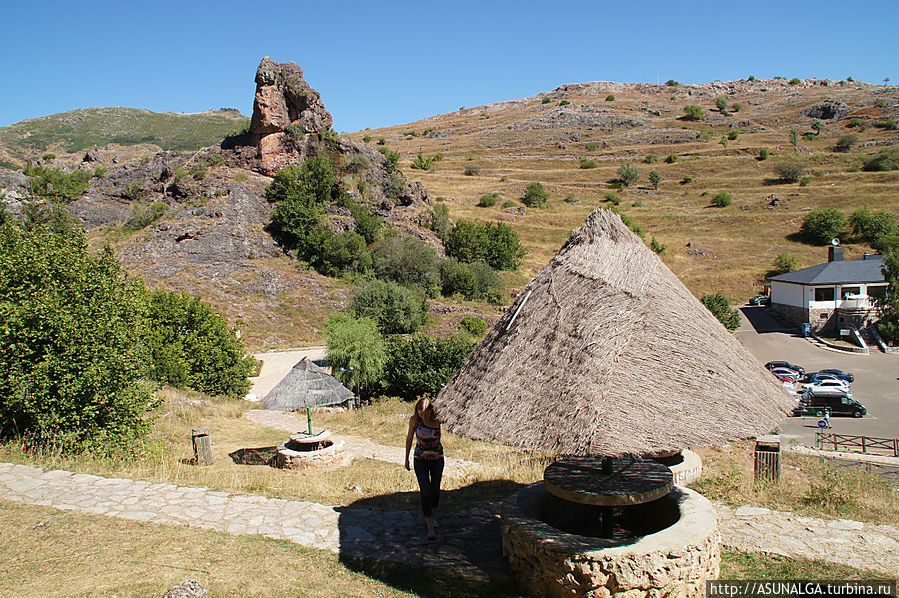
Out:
{"x": 846, "y": 291}
{"x": 876, "y": 292}
{"x": 824, "y": 294}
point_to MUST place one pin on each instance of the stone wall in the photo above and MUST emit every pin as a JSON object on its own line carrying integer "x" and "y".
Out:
{"x": 797, "y": 315}
{"x": 675, "y": 561}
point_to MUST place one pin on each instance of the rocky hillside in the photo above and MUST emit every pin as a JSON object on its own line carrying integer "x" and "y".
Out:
{"x": 69, "y": 134}
{"x": 574, "y": 139}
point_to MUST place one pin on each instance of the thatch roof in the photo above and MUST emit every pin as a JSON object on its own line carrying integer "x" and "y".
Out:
{"x": 306, "y": 385}
{"x": 606, "y": 352}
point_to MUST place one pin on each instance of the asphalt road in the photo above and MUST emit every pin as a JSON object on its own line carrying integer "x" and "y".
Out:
{"x": 876, "y": 383}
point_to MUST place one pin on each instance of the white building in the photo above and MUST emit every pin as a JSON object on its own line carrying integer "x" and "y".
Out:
{"x": 833, "y": 295}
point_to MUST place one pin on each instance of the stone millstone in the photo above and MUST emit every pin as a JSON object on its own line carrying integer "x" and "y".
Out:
{"x": 632, "y": 482}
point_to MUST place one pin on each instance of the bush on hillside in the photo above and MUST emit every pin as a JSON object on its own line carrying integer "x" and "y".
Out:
{"x": 340, "y": 253}
{"x": 670, "y": 158}
{"x": 873, "y": 227}
{"x": 610, "y": 98}
{"x": 488, "y": 200}
{"x": 391, "y": 159}
{"x": 845, "y": 142}
{"x": 71, "y": 368}
{"x": 357, "y": 163}
{"x": 409, "y": 262}
{"x": 587, "y": 163}
{"x": 650, "y": 158}
{"x": 145, "y": 215}
{"x": 421, "y": 365}
{"x": 440, "y": 221}
{"x": 471, "y": 170}
{"x": 733, "y": 134}
{"x": 494, "y": 243}
{"x": 655, "y": 179}
{"x": 820, "y": 226}
{"x": 789, "y": 172}
{"x": 693, "y": 112}
{"x": 722, "y": 199}
{"x": 396, "y": 309}
{"x": 884, "y": 161}
{"x": 56, "y": 184}
{"x": 191, "y": 346}
{"x": 367, "y": 224}
{"x": 475, "y": 281}
{"x": 393, "y": 186}
{"x": 721, "y": 104}
{"x": 535, "y": 196}
{"x": 628, "y": 174}
{"x": 785, "y": 262}
{"x": 474, "y": 325}
{"x": 657, "y": 247}
{"x": 721, "y": 309}
{"x": 763, "y": 153}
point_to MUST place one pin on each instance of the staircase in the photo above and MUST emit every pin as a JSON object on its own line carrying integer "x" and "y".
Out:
{"x": 870, "y": 340}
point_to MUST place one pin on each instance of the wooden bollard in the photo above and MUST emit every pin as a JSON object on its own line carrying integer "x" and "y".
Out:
{"x": 202, "y": 446}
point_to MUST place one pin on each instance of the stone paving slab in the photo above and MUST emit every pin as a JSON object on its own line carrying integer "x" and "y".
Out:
{"x": 468, "y": 542}
{"x": 354, "y": 446}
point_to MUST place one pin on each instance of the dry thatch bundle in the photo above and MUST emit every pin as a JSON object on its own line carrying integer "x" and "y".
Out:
{"x": 606, "y": 352}
{"x": 306, "y": 385}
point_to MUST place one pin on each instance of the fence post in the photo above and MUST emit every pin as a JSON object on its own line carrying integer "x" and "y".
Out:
{"x": 864, "y": 447}
{"x": 834, "y": 436}
{"x": 202, "y": 446}
{"x": 896, "y": 447}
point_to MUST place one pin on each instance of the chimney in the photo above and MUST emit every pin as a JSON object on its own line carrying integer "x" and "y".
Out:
{"x": 835, "y": 253}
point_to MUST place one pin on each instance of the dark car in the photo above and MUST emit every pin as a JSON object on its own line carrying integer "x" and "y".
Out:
{"x": 785, "y": 364}
{"x": 848, "y": 377}
{"x": 837, "y": 405}
{"x": 760, "y": 300}
{"x": 814, "y": 377}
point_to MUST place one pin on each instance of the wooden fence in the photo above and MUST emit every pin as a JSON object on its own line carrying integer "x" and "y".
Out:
{"x": 864, "y": 444}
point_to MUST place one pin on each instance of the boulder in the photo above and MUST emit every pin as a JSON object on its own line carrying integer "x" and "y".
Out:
{"x": 187, "y": 589}
{"x": 92, "y": 155}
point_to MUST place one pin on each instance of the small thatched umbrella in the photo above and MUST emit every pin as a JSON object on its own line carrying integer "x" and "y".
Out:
{"x": 306, "y": 386}
{"x": 607, "y": 353}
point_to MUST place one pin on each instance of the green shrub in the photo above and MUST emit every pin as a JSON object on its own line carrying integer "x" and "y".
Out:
{"x": 654, "y": 179}
{"x": 723, "y": 141}
{"x": 845, "y": 142}
{"x": 488, "y": 200}
{"x": 722, "y": 199}
{"x": 789, "y": 172}
{"x": 409, "y": 262}
{"x": 889, "y": 125}
{"x": 786, "y": 262}
{"x": 733, "y": 134}
{"x": 693, "y": 112}
{"x": 357, "y": 353}
{"x": 873, "y": 227}
{"x": 382, "y": 141}
{"x": 804, "y": 181}
{"x": 736, "y": 107}
{"x": 440, "y": 221}
{"x": 546, "y": 100}
{"x": 751, "y": 78}
{"x": 421, "y": 365}
{"x": 591, "y": 147}
{"x": 795, "y": 81}
{"x": 475, "y": 281}
{"x": 509, "y": 203}
{"x": 535, "y": 196}
{"x": 240, "y": 177}
{"x": 494, "y": 243}
{"x": 820, "y": 226}
{"x": 100, "y": 172}
{"x": 886, "y": 160}
{"x": 357, "y": 163}
{"x": 657, "y": 247}
{"x": 411, "y": 133}
{"x": 854, "y": 122}
{"x": 650, "y": 158}
{"x": 474, "y": 325}
{"x": 721, "y": 309}
{"x": 366, "y": 138}
{"x": 391, "y": 159}
{"x": 393, "y": 186}
{"x": 688, "y": 178}
{"x": 632, "y": 224}
{"x": 610, "y": 98}
{"x": 142, "y": 216}
{"x": 671, "y": 83}
{"x": 721, "y": 104}
{"x": 628, "y": 174}
{"x": 132, "y": 192}
{"x": 197, "y": 172}
{"x": 396, "y": 309}
{"x": 670, "y": 158}
{"x": 422, "y": 163}
{"x": 763, "y": 153}
{"x": 191, "y": 346}
{"x": 587, "y": 163}
{"x": 71, "y": 368}
{"x": 56, "y": 184}
{"x": 471, "y": 170}
{"x": 612, "y": 198}
{"x": 366, "y": 224}
{"x": 564, "y": 103}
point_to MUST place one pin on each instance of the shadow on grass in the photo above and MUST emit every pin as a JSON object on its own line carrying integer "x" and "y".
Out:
{"x": 254, "y": 456}
{"x": 465, "y": 559}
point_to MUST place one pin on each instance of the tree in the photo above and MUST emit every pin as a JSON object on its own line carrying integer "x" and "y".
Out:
{"x": 395, "y": 309}
{"x": 409, "y": 262}
{"x": 785, "y": 262}
{"x": 71, "y": 368}
{"x": 357, "y": 353}
{"x": 535, "y": 196}
{"x": 794, "y": 138}
{"x": 655, "y": 178}
{"x": 494, "y": 243}
{"x": 818, "y": 126}
{"x": 888, "y": 305}
{"x": 873, "y": 227}
{"x": 820, "y": 226}
{"x": 720, "y": 308}
{"x": 722, "y": 199}
{"x": 721, "y": 104}
{"x": 723, "y": 141}
{"x": 341, "y": 253}
{"x": 845, "y": 142}
{"x": 692, "y": 112}
{"x": 789, "y": 172}
{"x": 628, "y": 174}
{"x": 423, "y": 364}
{"x": 191, "y": 346}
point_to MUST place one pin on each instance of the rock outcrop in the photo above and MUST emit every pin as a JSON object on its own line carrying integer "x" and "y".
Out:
{"x": 286, "y": 110}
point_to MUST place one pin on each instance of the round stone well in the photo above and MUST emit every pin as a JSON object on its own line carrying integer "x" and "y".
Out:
{"x": 306, "y": 450}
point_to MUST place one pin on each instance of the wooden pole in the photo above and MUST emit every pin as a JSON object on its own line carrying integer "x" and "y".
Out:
{"x": 202, "y": 443}
{"x": 309, "y": 419}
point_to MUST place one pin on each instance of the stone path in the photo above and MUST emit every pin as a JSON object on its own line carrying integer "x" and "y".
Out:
{"x": 355, "y": 446}
{"x": 468, "y": 542}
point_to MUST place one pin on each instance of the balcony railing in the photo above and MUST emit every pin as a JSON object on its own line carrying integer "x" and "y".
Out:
{"x": 856, "y": 303}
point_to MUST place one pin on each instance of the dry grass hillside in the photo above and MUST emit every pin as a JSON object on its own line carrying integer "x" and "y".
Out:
{"x": 503, "y": 147}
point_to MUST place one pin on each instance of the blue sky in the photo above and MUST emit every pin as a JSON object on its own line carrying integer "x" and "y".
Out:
{"x": 383, "y": 63}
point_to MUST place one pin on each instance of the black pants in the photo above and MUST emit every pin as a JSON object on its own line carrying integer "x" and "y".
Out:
{"x": 429, "y": 472}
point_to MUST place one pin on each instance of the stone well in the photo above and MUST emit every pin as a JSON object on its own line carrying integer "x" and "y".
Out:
{"x": 310, "y": 450}
{"x": 685, "y": 466}
{"x": 674, "y": 561}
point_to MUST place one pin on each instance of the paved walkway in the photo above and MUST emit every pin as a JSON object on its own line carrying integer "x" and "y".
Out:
{"x": 355, "y": 446}
{"x": 468, "y": 542}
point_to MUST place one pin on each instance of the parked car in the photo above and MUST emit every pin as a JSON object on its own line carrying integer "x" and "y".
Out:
{"x": 760, "y": 300}
{"x": 785, "y": 364}
{"x": 848, "y": 377}
{"x": 837, "y": 405}
{"x": 786, "y": 375}
{"x": 826, "y": 384}
{"x": 818, "y": 376}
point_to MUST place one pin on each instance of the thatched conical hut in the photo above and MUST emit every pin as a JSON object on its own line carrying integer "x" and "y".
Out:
{"x": 306, "y": 385}
{"x": 606, "y": 352}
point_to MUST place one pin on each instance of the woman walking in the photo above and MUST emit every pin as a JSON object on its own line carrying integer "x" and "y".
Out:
{"x": 428, "y": 459}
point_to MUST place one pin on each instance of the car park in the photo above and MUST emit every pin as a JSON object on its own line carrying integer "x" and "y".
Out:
{"x": 837, "y": 405}
{"x": 848, "y": 377}
{"x": 785, "y": 364}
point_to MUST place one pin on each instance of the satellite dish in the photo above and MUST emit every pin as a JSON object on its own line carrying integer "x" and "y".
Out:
{"x": 834, "y": 241}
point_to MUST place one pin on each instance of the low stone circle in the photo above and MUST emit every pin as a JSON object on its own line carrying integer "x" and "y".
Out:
{"x": 675, "y": 561}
